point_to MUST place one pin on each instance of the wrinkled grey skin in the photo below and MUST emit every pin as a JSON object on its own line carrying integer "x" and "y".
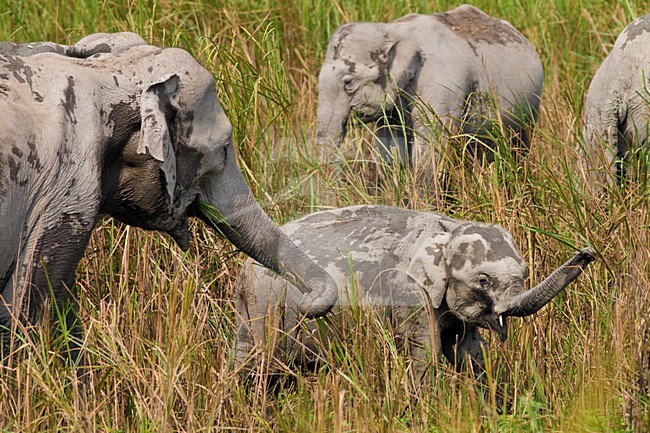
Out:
{"x": 412, "y": 266}
{"x": 436, "y": 74}
{"x": 617, "y": 106}
{"x": 134, "y": 132}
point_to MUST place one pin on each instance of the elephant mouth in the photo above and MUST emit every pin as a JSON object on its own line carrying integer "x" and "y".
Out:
{"x": 497, "y": 323}
{"x": 367, "y": 116}
{"x": 181, "y": 234}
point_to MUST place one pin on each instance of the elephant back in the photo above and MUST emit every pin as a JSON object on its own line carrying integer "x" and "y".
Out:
{"x": 373, "y": 245}
{"x": 477, "y": 27}
{"x": 362, "y": 229}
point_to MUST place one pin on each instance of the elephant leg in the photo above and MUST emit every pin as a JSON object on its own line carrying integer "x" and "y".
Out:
{"x": 448, "y": 341}
{"x": 74, "y": 329}
{"x": 6, "y": 318}
{"x": 469, "y": 351}
{"x": 392, "y": 142}
{"x": 478, "y": 140}
{"x": 519, "y": 116}
{"x": 265, "y": 326}
{"x": 251, "y": 338}
{"x": 417, "y": 334}
{"x": 63, "y": 313}
{"x": 476, "y": 126}
{"x": 394, "y": 135}
{"x": 14, "y": 318}
{"x": 497, "y": 126}
{"x": 420, "y": 355}
{"x": 244, "y": 343}
{"x": 517, "y": 136}
{"x": 601, "y": 154}
{"x": 621, "y": 157}
{"x": 633, "y": 137}
{"x": 463, "y": 347}
{"x": 429, "y": 147}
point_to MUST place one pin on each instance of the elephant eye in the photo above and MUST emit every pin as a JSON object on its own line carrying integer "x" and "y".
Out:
{"x": 349, "y": 84}
{"x": 484, "y": 281}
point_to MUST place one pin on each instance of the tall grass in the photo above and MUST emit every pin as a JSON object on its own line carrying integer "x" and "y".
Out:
{"x": 158, "y": 323}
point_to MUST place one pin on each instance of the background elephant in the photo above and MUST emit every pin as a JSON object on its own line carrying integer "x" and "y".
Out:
{"x": 617, "y": 106}
{"x": 413, "y": 266}
{"x": 136, "y": 133}
{"x": 425, "y": 76}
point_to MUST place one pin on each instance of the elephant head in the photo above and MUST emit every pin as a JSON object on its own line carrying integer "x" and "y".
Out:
{"x": 480, "y": 276}
{"x": 366, "y": 68}
{"x": 143, "y": 138}
{"x": 177, "y": 159}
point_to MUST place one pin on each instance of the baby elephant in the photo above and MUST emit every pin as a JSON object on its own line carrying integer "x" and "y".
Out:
{"x": 412, "y": 266}
{"x": 617, "y": 107}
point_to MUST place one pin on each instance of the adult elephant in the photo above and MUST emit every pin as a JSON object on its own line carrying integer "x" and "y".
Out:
{"x": 135, "y": 132}
{"x": 617, "y": 106}
{"x": 423, "y": 77}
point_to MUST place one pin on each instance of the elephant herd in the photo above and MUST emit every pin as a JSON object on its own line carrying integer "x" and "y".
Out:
{"x": 423, "y": 78}
{"x": 114, "y": 126}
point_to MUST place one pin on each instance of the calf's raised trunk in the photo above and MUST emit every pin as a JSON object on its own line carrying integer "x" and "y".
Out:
{"x": 531, "y": 301}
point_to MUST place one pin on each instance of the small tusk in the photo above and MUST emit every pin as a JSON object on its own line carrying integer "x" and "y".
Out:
{"x": 501, "y": 320}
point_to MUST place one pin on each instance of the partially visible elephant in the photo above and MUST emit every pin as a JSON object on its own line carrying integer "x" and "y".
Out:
{"x": 424, "y": 77}
{"x": 92, "y": 45}
{"x": 435, "y": 279}
{"x": 617, "y": 107}
{"x": 135, "y": 132}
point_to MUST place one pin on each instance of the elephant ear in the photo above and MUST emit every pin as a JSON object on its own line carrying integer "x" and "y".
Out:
{"x": 405, "y": 58}
{"x": 429, "y": 270}
{"x": 156, "y": 101}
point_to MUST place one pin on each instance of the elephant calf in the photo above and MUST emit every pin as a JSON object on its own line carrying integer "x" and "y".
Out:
{"x": 425, "y": 76}
{"x": 114, "y": 126}
{"x": 617, "y": 106}
{"x": 414, "y": 266}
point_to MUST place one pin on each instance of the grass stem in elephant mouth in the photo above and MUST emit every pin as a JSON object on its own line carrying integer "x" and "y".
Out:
{"x": 212, "y": 214}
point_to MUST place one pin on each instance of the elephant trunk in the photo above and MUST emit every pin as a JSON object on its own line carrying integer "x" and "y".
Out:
{"x": 234, "y": 212}
{"x": 531, "y": 301}
{"x": 331, "y": 119}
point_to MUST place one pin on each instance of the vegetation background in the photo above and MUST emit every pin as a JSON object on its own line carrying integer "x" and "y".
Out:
{"x": 158, "y": 323}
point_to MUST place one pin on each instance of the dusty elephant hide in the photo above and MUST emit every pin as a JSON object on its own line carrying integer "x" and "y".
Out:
{"x": 436, "y": 280}
{"x": 617, "y": 107}
{"x": 425, "y": 78}
{"x": 114, "y": 126}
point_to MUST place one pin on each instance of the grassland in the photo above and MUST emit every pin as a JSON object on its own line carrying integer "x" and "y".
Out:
{"x": 158, "y": 322}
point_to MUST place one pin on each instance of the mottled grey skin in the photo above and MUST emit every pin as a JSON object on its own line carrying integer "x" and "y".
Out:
{"x": 96, "y": 45}
{"x": 411, "y": 265}
{"x": 617, "y": 106}
{"x": 136, "y": 133}
{"x": 436, "y": 74}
